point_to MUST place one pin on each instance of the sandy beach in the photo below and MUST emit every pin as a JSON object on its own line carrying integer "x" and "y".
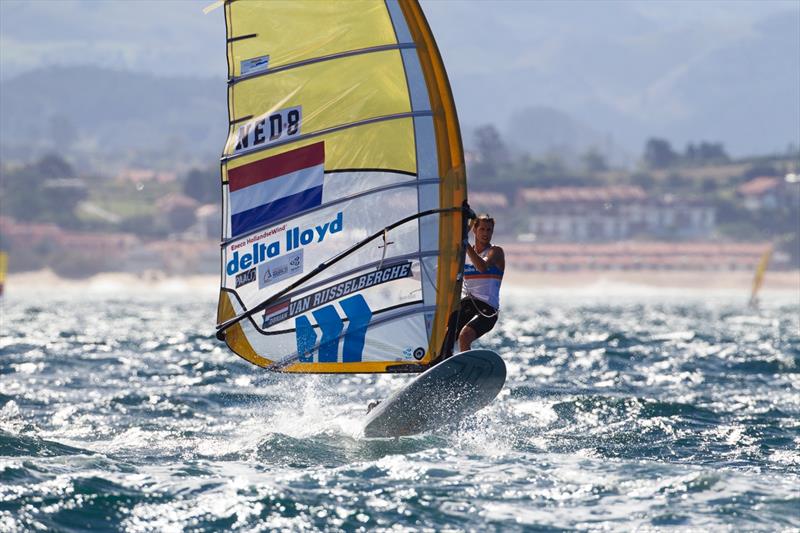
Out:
{"x": 784, "y": 282}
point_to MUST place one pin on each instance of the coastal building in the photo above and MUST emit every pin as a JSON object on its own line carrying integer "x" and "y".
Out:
{"x": 177, "y": 211}
{"x": 73, "y": 253}
{"x": 640, "y": 255}
{"x": 18, "y": 235}
{"x": 141, "y": 175}
{"x": 592, "y": 214}
{"x": 208, "y": 219}
{"x": 766, "y": 193}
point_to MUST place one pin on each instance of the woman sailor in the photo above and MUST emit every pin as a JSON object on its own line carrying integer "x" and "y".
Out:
{"x": 483, "y": 274}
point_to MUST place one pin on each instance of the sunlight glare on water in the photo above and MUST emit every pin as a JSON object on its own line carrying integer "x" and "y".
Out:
{"x": 624, "y": 408}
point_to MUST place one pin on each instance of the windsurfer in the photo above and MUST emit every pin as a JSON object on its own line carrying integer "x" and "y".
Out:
{"x": 483, "y": 274}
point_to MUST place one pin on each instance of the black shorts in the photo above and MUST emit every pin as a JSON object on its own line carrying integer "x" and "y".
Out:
{"x": 478, "y": 315}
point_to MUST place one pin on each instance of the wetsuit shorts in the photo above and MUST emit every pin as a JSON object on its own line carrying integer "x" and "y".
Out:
{"x": 478, "y": 315}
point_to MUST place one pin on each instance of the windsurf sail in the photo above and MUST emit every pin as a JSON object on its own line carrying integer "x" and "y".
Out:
{"x": 343, "y": 188}
{"x": 3, "y": 270}
{"x": 758, "y": 278}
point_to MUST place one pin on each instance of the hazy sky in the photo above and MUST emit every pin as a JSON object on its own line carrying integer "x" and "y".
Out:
{"x": 618, "y": 70}
{"x": 175, "y": 37}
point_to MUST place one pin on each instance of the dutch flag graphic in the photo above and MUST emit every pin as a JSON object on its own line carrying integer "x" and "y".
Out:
{"x": 275, "y": 188}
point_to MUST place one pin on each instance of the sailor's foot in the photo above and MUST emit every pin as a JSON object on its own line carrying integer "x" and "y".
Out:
{"x": 372, "y": 405}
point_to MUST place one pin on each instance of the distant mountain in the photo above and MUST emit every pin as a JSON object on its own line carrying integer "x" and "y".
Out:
{"x": 625, "y": 75}
{"x": 164, "y": 37}
{"x": 746, "y": 93}
{"x": 108, "y": 111}
{"x": 543, "y": 130}
{"x": 549, "y": 75}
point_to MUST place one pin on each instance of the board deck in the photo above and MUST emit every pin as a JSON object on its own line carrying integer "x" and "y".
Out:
{"x": 446, "y": 393}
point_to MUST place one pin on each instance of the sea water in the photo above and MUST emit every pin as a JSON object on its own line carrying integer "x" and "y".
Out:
{"x": 623, "y": 409}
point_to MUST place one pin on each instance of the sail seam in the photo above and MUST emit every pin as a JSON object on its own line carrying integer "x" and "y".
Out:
{"x": 392, "y": 170}
{"x": 395, "y": 16}
{"x": 350, "y": 53}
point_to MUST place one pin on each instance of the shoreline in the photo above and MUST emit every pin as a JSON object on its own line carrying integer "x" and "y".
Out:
{"x": 655, "y": 279}
{"x": 782, "y": 281}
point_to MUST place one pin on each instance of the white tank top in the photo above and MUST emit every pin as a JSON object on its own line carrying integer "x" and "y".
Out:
{"x": 483, "y": 286}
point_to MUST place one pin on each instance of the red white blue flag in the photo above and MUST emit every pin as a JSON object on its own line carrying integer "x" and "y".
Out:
{"x": 275, "y": 188}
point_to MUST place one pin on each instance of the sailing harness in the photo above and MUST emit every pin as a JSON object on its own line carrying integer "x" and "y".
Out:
{"x": 478, "y": 308}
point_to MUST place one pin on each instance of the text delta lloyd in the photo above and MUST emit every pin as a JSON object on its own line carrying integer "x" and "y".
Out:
{"x": 294, "y": 239}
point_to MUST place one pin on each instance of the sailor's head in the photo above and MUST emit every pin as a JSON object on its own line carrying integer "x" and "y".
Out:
{"x": 484, "y": 219}
{"x": 483, "y": 227}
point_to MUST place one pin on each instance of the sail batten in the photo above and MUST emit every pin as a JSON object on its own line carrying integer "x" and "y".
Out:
{"x": 343, "y": 188}
{"x": 400, "y": 46}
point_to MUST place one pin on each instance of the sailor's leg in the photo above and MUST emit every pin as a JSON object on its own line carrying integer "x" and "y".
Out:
{"x": 466, "y": 314}
{"x": 477, "y": 327}
{"x": 465, "y": 338}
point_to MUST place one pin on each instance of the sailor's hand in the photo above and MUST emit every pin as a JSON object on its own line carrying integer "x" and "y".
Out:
{"x": 471, "y": 249}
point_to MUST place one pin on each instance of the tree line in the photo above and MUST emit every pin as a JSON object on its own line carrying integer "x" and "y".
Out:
{"x": 495, "y": 164}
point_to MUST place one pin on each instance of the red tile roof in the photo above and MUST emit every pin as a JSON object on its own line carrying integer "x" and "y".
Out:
{"x": 759, "y": 186}
{"x": 173, "y": 200}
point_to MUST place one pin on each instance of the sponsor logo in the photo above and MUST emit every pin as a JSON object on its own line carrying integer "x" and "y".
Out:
{"x": 255, "y": 64}
{"x": 256, "y": 238}
{"x": 245, "y": 277}
{"x": 340, "y": 290}
{"x": 269, "y": 129}
{"x": 358, "y": 315}
{"x": 280, "y": 269}
{"x": 471, "y": 272}
{"x": 295, "y": 238}
{"x": 277, "y": 313}
{"x": 418, "y": 352}
{"x": 364, "y": 281}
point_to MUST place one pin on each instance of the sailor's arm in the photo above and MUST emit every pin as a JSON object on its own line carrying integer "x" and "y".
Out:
{"x": 477, "y": 261}
{"x": 495, "y": 257}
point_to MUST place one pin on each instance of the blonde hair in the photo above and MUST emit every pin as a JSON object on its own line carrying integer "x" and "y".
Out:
{"x": 483, "y": 217}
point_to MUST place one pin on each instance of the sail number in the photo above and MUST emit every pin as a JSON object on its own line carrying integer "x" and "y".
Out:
{"x": 269, "y": 129}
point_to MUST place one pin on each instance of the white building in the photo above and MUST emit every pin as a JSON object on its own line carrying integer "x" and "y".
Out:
{"x": 591, "y": 214}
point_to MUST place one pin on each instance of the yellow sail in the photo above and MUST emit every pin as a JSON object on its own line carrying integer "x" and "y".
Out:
{"x": 3, "y": 270}
{"x": 343, "y": 188}
{"x": 758, "y": 278}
